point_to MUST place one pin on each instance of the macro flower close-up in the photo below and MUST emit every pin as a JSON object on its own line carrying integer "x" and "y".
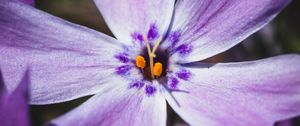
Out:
{"x": 156, "y": 59}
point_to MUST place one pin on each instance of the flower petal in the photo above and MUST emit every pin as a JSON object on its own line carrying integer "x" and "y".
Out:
{"x": 124, "y": 17}
{"x": 214, "y": 26}
{"x": 67, "y": 61}
{"x": 118, "y": 106}
{"x": 254, "y": 93}
{"x": 14, "y": 106}
{"x": 29, "y": 2}
{"x": 3, "y": 91}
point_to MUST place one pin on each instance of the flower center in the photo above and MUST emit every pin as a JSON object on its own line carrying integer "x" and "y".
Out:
{"x": 153, "y": 61}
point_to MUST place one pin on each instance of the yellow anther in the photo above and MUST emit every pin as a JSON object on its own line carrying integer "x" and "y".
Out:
{"x": 157, "y": 70}
{"x": 140, "y": 62}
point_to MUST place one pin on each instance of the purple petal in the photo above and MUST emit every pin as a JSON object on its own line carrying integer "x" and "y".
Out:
{"x": 29, "y": 2}
{"x": 67, "y": 61}
{"x": 3, "y": 91}
{"x": 14, "y": 106}
{"x": 127, "y": 17}
{"x": 2, "y": 86}
{"x": 214, "y": 26}
{"x": 118, "y": 106}
{"x": 285, "y": 123}
{"x": 255, "y": 93}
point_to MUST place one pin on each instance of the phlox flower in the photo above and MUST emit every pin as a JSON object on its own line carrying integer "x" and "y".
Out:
{"x": 155, "y": 58}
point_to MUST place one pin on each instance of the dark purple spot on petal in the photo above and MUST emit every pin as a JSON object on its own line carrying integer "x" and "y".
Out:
{"x": 150, "y": 90}
{"x": 174, "y": 37}
{"x": 152, "y": 32}
{"x": 137, "y": 37}
{"x": 183, "y": 74}
{"x": 122, "y": 57}
{"x": 137, "y": 84}
{"x": 173, "y": 82}
{"x": 184, "y": 49}
{"x": 123, "y": 70}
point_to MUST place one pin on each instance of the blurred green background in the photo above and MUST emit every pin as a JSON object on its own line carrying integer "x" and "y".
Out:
{"x": 281, "y": 36}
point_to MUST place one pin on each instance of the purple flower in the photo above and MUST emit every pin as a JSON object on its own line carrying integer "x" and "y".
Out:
{"x": 13, "y": 105}
{"x": 70, "y": 61}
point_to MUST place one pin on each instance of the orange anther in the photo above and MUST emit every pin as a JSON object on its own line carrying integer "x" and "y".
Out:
{"x": 140, "y": 62}
{"x": 157, "y": 70}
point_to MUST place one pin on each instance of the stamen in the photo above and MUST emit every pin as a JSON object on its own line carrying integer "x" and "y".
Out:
{"x": 155, "y": 46}
{"x": 150, "y": 55}
{"x": 140, "y": 62}
{"x": 157, "y": 69}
